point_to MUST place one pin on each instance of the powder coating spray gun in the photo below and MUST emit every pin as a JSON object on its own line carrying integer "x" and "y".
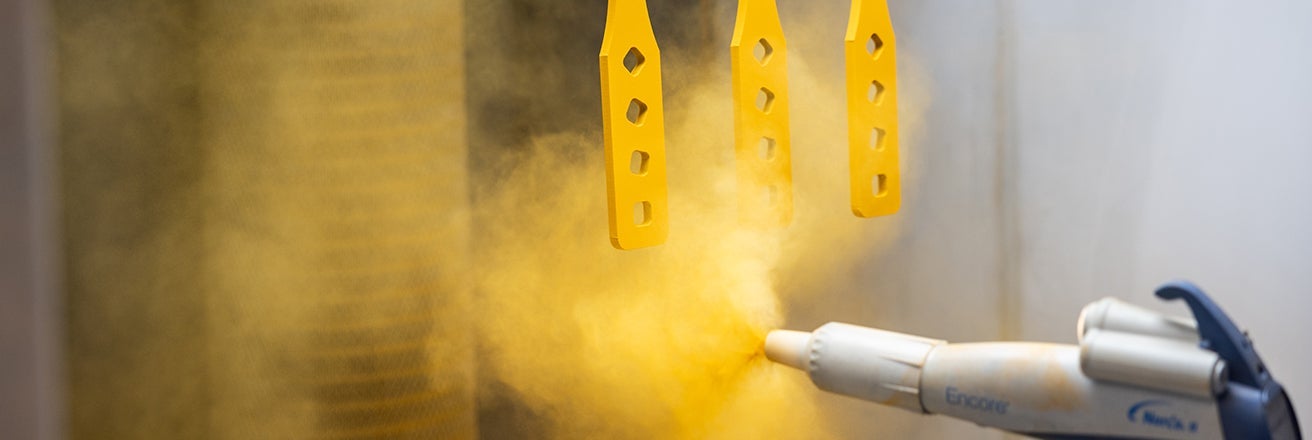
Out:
{"x": 1134, "y": 374}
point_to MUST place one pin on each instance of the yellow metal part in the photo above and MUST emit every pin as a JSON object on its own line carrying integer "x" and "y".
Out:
{"x": 634, "y": 124}
{"x": 760, "y": 106}
{"x": 871, "y": 52}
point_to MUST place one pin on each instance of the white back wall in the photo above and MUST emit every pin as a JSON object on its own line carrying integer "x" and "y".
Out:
{"x": 1159, "y": 140}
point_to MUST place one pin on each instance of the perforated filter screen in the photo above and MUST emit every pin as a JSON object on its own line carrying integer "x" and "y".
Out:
{"x": 265, "y": 211}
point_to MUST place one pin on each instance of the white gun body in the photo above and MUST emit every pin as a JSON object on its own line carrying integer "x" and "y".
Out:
{"x": 1039, "y": 389}
{"x": 1134, "y": 374}
{"x": 1030, "y": 388}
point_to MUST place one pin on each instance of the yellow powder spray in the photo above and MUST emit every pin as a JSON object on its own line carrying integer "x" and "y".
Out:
{"x": 665, "y": 342}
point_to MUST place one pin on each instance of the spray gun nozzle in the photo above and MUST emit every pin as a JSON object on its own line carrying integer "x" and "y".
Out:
{"x": 788, "y": 347}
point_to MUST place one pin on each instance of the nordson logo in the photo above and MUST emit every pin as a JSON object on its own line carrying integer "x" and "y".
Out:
{"x": 1155, "y": 413}
{"x": 981, "y": 403}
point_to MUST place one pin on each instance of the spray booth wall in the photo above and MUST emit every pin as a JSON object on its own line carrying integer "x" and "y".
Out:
{"x": 265, "y": 219}
{"x": 345, "y": 219}
{"x": 1159, "y": 141}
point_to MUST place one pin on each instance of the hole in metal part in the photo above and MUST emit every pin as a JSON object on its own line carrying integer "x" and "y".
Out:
{"x": 876, "y": 92}
{"x": 880, "y": 185}
{"x": 877, "y": 138}
{"x": 638, "y": 162}
{"x": 633, "y": 61}
{"x": 642, "y": 213}
{"x": 637, "y": 112}
{"x": 763, "y": 51}
{"x": 874, "y": 45}
{"x": 764, "y": 100}
{"x": 766, "y": 147}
